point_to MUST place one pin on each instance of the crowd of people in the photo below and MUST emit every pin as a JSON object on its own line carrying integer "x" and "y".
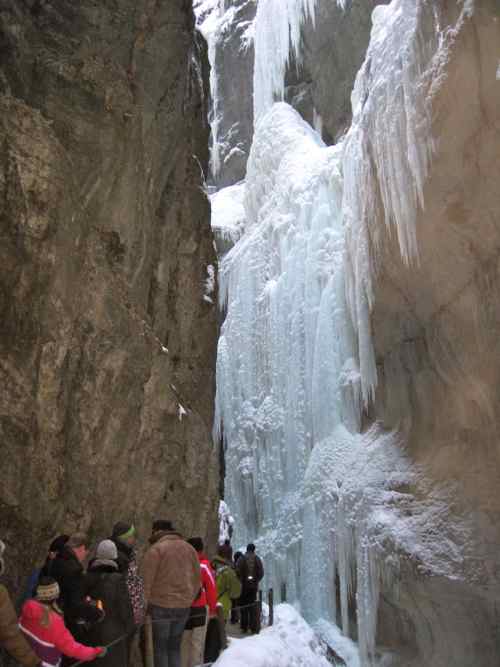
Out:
{"x": 71, "y": 613}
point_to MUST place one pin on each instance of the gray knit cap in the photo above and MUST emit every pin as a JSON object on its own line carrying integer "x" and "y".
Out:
{"x": 106, "y": 550}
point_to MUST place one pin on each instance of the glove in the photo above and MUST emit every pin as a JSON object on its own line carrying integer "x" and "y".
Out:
{"x": 102, "y": 651}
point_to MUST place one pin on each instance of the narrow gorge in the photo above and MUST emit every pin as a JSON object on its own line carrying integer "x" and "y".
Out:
{"x": 358, "y": 367}
{"x": 250, "y": 251}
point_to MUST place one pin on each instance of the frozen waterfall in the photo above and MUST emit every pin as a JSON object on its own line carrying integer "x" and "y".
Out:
{"x": 322, "y": 496}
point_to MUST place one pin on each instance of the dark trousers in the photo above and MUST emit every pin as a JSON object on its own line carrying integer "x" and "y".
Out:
{"x": 248, "y": 614}
{"x": 167, "y": 635}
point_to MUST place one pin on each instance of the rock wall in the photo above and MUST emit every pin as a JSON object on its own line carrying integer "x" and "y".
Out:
{"x": 333, "y": 48}
{"x": 108, "y": 330}
{"x": 436, "y": 327}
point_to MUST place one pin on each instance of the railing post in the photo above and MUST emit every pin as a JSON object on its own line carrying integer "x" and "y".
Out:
{"x": 283, "y": 592}
{"x": 259, "y": 612}
{"x": 270, "y": 600}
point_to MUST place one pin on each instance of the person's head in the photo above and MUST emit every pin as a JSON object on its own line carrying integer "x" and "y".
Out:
{"x": 227, "y": 542}
{"x": 124, "y": 532}
{"x": 47, "y": 590}
{"x": 106, "y": 550}
{"x": 250, "y": 548}
{"x": 196, "y": 543}
{"x": 237, "y": 556}
{"x": 2, "y": 562}
{"x": 224, "y": 552}
{"x": 57, "y": 545}
{"x": 78, "y": 543}
{"x": 47, "y": 593}
{"x": 162, "y": 525}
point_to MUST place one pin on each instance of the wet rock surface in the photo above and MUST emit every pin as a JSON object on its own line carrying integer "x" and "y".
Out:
{"x": 105, "y": 244}
{"x": 332, "y": 51}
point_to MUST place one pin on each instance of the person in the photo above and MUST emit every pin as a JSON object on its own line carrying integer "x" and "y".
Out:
{"x": 226, "y": 550}
{"x": 250, "y": 572}
{"x": 124, "y": 537}
{"x": 205, "y": 605}
{"x": 55, "y": 548}
{"x": 235, "y": 604}
{"x": 11, "y": 637}
{"x": 228, "y": 584}
{"x": 107, "y": 586}
{"x": 172, "y": 581}
{"x": 43, "y": 625}
{"x": 67, "y": 570}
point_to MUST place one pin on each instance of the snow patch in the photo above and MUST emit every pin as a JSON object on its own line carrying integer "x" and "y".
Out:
{"x": 181, "y": 412}
{"x": 290, "y": 642}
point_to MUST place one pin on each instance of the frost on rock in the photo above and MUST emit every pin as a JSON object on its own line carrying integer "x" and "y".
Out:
{"x": 389, "y": 148}
{"x": 181, "y": 412}
{"x": 218, "y": 20}
{"x": 316, "y": 495}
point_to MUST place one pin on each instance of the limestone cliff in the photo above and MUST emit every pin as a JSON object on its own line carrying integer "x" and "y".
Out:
{"x": 108, "y": 330}
{"x": 436, "y": 326}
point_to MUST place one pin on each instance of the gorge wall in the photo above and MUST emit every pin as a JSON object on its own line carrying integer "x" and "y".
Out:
{"x": 108, "y": 326}
{"x": 358, "y": 365}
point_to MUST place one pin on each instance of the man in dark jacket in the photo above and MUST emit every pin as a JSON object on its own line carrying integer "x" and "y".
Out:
{"x": 105, "y": 583}
{"x": 172, "y": 582}
{"x": 250, "y": 572}
{"x": 67, "y": 570}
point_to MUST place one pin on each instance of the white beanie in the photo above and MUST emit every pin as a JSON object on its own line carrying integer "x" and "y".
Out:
{"x": 106, "y": 550}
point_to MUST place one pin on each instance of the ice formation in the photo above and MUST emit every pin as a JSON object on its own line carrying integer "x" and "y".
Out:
{"x": 322, "y": 499}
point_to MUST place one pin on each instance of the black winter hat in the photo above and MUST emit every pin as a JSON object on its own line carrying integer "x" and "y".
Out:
{"x": 162, "y": 524}
{"x": 196, "y": 543}
{"x": 122, "y": 528}
{"x": 251, "y": 547}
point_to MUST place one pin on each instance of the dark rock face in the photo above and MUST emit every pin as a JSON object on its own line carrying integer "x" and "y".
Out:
{"x": 233, "y": 105}
{"x": 332, "y": 51}
{"x": 105, "y": 244}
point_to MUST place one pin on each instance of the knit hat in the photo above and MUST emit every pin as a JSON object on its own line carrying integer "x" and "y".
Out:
{"x": 47, "y": 590}
{"x": 2, "y": 562}
{"x": 106, "y": 550}
{"x": 123, "y": 530}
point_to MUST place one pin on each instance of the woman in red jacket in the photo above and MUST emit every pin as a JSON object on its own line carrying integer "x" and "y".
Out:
{"x": 43, "y": 625}
{"x": 205, "y": 606}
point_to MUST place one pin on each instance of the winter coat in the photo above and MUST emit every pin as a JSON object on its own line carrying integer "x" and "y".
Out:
{"x": 127, "y": 565}
{"x": 171, "y": 571}
{"x": 207, "y": 596}
{"x": 67, "y": 570}
{"x": 11, "y": 638}
{"x": 105, "y": 583}
{"x": 52, "y": 640}
{"x": 228, "y": 584}
{"x": 250, "y": 571}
